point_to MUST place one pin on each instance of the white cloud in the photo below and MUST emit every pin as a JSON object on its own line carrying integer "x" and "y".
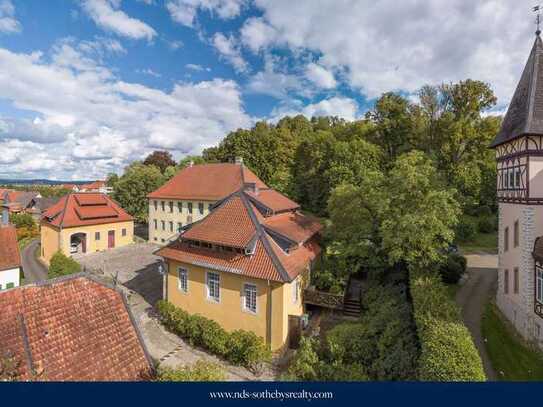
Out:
{"x": 88, "y": 122}
{"x": 175, "y": 44}
{"x": 390, "y": 45}
{"x": 106, "y": 14}
{"x": 345, "y": 108}
{"x": 8, "y": 23}
{"x": 320, "y": 76}
{"x": 197, "y": 68}
{"x": 230, "y": 51}
{"x": 150, "y": 72}
{"x": 184, "y": 11}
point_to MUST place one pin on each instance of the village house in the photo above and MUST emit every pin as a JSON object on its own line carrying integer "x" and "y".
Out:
{"x": 10, "y": 257}
{"x": 72, "y": 328}
{"x": 95, "y": 186}
{"x": 246, "y": 264}
{"x": 26, "y": 202}
{"x": 84, "y": 223}
{"x": 190, "y": 195}
{"x": 519, "y": 155}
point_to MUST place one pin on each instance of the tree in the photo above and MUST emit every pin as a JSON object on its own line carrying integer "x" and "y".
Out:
{"x": 112, "y": 180}
{"x": 22, "y": 220}
{"x": 160, "y": 159}
{"x": 404, "y": 216}
{"x": 133, "y": 186}
{"x": 9, "y": 367}
{"x": 61, "y": 265}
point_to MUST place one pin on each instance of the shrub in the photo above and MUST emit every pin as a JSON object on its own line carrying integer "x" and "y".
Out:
{"x": 62, "y": 265}
{"x": 199, "y": 372}
{"x": 483, "y": 211}
{"x": 305, "y": 365}
{"x": 22, "y": 220}
{"x": 486, "y": 225}
{"x": 447, "y": 349}
{"x": 238, "y": 347}
{"x": 451, "y": 271}
{"x": 466, "y": 230}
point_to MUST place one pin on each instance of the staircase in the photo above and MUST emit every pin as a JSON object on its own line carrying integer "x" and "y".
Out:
{"x": 351, "y": 308}
{"x": 351, "y": 303}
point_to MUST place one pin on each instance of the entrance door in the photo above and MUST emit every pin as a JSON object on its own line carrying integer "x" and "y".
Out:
{"x": 111, "y": 239}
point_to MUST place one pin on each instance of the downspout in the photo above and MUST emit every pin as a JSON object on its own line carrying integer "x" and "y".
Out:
{"x": 269, "y": 315}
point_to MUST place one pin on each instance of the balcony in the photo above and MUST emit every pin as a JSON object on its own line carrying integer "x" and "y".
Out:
{"x": 323, "y": 299}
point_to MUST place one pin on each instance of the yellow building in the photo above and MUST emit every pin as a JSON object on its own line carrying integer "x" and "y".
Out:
{"x": 190, "y": 195}
{"x": 245, "y": 265}
{"x": 84, "y": 223}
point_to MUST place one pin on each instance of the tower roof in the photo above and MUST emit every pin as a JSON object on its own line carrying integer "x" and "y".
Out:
{"x": 525, "y": 113}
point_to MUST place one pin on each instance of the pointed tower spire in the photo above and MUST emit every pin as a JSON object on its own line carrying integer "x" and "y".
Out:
{"x": 525, "y": 113}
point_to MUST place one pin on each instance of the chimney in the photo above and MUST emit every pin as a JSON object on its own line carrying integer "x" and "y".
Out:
{"x": 251, "y": 186}
{"x": 239, "y": 160}
{"x": 5, "y": 215}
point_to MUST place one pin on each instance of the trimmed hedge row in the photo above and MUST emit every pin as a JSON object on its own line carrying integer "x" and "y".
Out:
{"x": 447, "y": 349}
{"x": 238, "y": 347}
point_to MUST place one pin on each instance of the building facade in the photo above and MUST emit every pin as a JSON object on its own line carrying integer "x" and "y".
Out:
{"x": 245, "y": 265}
{"x": 190, "y": 195}
{"x": 10, "y": 257}
{"x": 519, "y": 155}
{"x": 84, "y": 223}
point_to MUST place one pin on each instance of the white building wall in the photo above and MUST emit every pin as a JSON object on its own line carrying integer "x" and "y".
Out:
{"x": 10, "y": 276}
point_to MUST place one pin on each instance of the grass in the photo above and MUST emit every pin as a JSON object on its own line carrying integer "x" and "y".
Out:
{"x": 512, "y": 357}
{"x": 482, "y": 242}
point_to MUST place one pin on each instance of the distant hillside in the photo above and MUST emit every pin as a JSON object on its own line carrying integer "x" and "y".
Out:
{"x": 38, "y": 182}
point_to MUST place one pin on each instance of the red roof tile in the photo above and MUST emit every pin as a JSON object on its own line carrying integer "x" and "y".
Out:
{"x": 93, "y": 186}
{"x": 9, "y": 249}
{"x": 273, "y": 200}
{"x": 206, "y": 182}
{"x": 82, "y": 209}
{"x": 236, "y": 222}
{"x": 72, "y": 329}
{"x": 239, "y": 232}
{"x": 293, "y": 225}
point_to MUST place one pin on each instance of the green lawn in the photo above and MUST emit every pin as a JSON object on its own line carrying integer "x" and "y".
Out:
{"x": 483, "y": 242}
{"x": 512, "y": 358}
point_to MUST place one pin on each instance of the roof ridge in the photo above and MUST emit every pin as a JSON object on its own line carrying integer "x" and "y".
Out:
{"x": 61, "y": 223}
{"x": 261, "y": 236}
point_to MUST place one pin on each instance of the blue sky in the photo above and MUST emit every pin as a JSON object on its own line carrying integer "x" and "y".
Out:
{"x": 88, "y": 86}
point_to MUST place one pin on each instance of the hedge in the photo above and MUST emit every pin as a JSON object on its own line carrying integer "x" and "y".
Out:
{"x": 199, "y": 372}
{"x": 447, "y": 349}
{"x": 238, "y": 347}
{"x": 62, "y": 265}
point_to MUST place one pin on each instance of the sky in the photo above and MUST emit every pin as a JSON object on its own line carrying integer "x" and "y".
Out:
{"x": 88, "y": 86}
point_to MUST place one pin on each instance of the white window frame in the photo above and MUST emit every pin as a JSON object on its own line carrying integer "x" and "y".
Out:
{"x": 208, "y": 291}
{"x": 539, "y": 284}
{"x": 253, "y": 287}
{"x": 180, "y": 272}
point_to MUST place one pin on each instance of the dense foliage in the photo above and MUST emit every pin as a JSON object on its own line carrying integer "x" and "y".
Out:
{"x": 238, "y": 347}
{"x": 382, "y": 345}
{"x": 447, "y": 349}
{"x": 199, "y": 372}
{"x": 62, "y": 265}
{"x": 131, "y": 189}
{"x": 160, "y": 159}
{"x": 22, "y": 220}
{"x": 9, "y": 367}
{"x": 453, "y": 268}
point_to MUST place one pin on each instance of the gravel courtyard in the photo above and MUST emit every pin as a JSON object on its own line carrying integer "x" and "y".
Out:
{"x": 136, "y": 270}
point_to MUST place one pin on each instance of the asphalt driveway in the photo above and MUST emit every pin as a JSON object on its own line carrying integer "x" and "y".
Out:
{"x": 33, "y": 269}
{"x": 473, "y": 296}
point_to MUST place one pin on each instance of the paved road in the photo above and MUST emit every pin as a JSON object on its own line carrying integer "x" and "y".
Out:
{"x": 472, "y": 298}
{"x": 33, "y": 270}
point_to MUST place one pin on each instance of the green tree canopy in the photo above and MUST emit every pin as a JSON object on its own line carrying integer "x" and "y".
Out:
{"x": 160, "y": 159}
{"x": 133, "y": 186}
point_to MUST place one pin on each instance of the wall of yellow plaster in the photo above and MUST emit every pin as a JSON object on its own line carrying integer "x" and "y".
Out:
{"x": 229, "y": 312}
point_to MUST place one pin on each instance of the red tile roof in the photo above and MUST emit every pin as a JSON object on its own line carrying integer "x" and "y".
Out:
{"x": 274, "y": 201}
{"x": 9, "y": 249}
{"x": 82, "y": 209}
{"x": 93, "y": 186}
{"x": 237, "y": 223}
{"x": 207, "y": 182}
{"x": 72, "y": 329}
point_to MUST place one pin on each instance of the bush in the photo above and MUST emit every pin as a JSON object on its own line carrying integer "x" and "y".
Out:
{"x": 486, "y": 225}
{"x": 199, "y": 372}
{"x": 453, "y": 268}
{"x": 62, "y": 265}
{"x": 238, "y": 347}
{"x": 305, "y": 365}
{"x": 447, "y": 349}
{"x": 22, "y": 220}
{"x": 483, "y": 211}
{"x": 466, "y": 230}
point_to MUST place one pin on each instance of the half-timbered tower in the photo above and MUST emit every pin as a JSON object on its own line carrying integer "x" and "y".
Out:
{"x": 519, "y": 155}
